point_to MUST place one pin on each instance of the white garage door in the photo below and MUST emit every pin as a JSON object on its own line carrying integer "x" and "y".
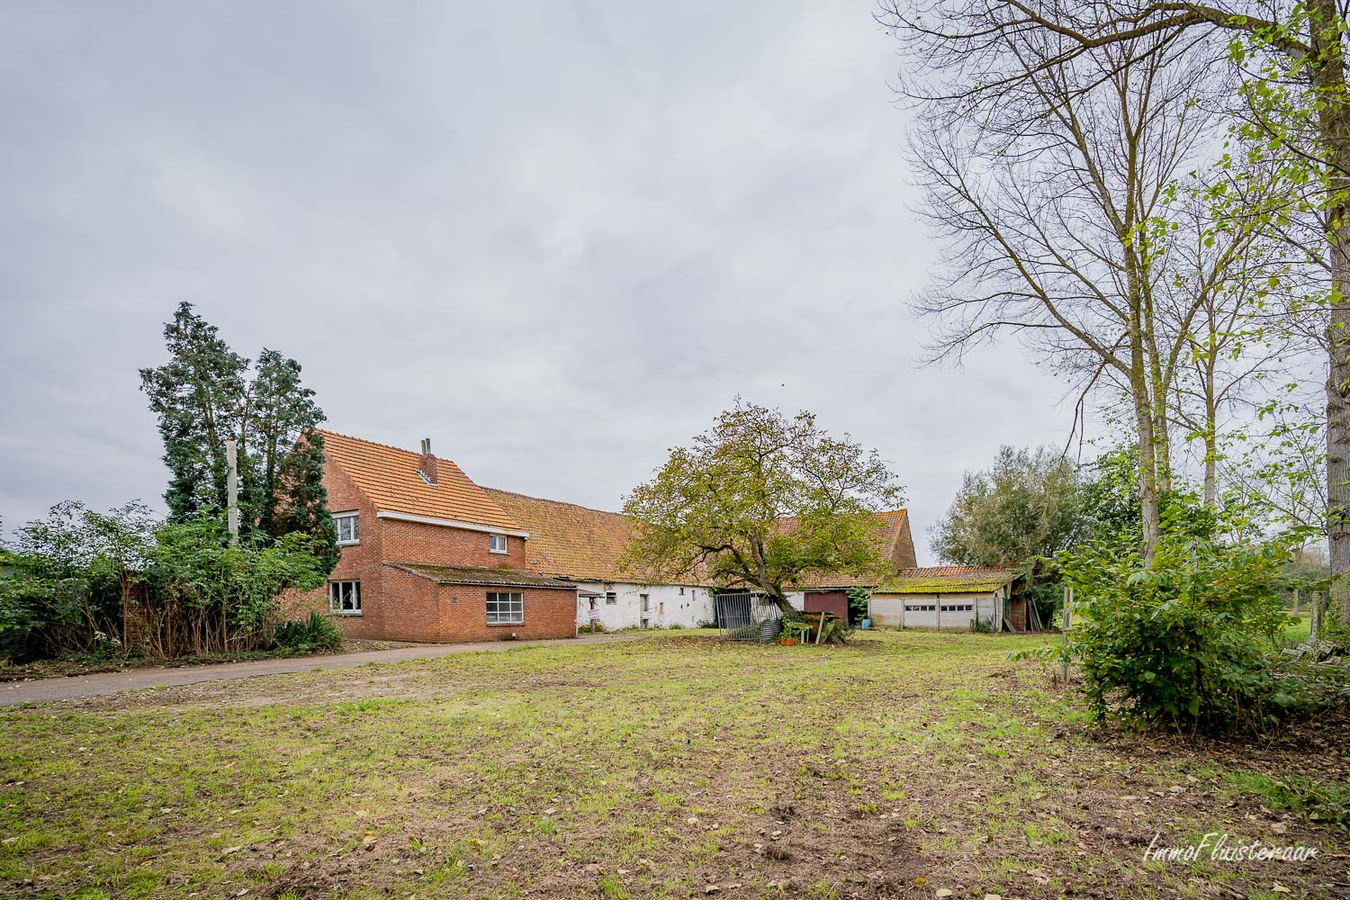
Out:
{"x": 886, "y": 611}
{"x": 927, "y": 610}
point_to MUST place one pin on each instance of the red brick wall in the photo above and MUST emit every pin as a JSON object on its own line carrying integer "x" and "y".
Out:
{"x": 359, "y": 562}
{"x": 413, "y": 608}
{"x": 396, "y": 605}
{"x": 445, "y": 546}
{"x": 902, "y": 556}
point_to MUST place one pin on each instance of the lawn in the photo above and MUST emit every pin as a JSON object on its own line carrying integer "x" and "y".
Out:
{"x": 671, "y": 766}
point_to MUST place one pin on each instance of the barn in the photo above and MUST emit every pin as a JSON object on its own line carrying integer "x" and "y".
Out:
{"x": 949, "y": 598}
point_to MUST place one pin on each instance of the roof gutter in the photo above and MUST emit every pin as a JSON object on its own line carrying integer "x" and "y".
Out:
{"x": 450, "y": 523}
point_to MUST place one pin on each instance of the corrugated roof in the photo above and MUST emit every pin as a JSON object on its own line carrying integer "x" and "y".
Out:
{"x": 946, "y": 580}
{"x": 481, "y": 575}
{"x": 569, "y": 540}
{"x": 388, "y": 477}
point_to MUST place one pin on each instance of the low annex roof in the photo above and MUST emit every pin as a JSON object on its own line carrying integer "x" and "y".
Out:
{"x": 388, "y": 477}
{"x": 946, "y": 580}
{"x": 482, "y": 575}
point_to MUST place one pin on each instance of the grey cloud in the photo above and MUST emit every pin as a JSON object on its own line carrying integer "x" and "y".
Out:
{"x": 557, "y": 238}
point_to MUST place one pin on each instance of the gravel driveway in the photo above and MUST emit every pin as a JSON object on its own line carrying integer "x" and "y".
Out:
{"x": 48, "y": 690}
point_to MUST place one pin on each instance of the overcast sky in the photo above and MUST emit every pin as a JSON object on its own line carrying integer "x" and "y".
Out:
{"x": 556, "y": 238}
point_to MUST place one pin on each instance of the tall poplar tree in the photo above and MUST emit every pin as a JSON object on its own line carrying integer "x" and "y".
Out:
{"x": 207, "y": 394}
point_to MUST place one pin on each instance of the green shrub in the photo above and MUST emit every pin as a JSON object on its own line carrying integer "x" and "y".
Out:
{"x": 317, "y": 633}
{"x": 983, "y": 625}
{"x": 1187, "y": 643}
{"x": 858, "y": 604}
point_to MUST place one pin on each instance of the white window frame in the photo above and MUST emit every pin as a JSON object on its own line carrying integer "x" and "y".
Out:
{"x": 611, "y": 598}
{"x": 515, "y": 608}
{"x": 498, "y": 543}
{"x": 355, "y": 529}
{"x": 335, "y": 599}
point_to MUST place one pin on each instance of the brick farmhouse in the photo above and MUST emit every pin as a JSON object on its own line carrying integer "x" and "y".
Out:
{"x": 428, "y": 555}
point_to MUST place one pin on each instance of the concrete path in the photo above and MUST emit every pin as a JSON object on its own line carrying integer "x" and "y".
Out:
{"x": 46, "y": 690}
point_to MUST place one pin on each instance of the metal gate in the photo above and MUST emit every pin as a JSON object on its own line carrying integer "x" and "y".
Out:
{"x": 747, "y": 616}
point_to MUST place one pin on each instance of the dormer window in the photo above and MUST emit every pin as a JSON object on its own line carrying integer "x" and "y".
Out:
{"x": 496, "y": 543}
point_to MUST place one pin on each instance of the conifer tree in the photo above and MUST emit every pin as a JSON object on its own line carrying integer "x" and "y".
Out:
{"x": 207, "y": 394}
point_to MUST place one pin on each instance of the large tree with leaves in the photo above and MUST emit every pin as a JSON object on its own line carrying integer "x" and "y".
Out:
{"x": 762, "y": 500}
{"x": 1026, "y": 505}
{"x": 207, "y": 394}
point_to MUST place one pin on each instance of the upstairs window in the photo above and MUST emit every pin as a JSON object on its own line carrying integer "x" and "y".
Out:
{"x": 496, "y": 543}
{"x": 344, "y": 597}
{"x": 348, "y": 528}
{"x": 505, "y": 608}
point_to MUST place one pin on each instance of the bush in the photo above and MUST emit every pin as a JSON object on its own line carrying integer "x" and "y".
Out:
{"x": 312, "y": 635}
{"x": 1188, "y": 643}
{"x": 80, "y": 580}
{"x": 983, "y": 625}
{"x": 206, "y": 595}
{"x": 858, "y": 604}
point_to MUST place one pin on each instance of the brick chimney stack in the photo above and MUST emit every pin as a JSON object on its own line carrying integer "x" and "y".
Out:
{"x": 426, "y": 467}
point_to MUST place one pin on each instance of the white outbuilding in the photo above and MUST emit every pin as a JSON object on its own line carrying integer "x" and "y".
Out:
{"x": 949, "y": 598}
{"x": 589, "y": 544}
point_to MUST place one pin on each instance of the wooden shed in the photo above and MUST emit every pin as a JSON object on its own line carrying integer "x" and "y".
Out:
{"x": 949, "y": 598}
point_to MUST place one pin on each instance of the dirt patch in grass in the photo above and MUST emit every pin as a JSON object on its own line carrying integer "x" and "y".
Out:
{"x": 675, "y": 766}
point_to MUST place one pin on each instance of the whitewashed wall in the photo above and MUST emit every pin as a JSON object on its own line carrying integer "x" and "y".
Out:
{"x": 668, "y": 604}
{"x": 890, "y": 610}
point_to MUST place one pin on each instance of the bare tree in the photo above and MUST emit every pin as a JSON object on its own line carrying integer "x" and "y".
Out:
{"x": 1225, "y": 295}
{"x": 960, "y": 50}
{"x": 1052, "y": 199}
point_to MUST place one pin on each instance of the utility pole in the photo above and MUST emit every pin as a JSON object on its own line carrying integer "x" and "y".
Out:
{"x": 232, "y": 489}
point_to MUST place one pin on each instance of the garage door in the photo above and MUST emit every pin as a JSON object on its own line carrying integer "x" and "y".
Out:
{"x": 928, "y": 610}
{"x": 886, "y": 612}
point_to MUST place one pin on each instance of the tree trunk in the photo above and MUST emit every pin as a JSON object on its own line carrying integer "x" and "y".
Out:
{"x": 1315, "y": 625}
{"x": 1329, "y": 85}
{"x": 1148, "y": 471}
{"x": 1211, "y": 457}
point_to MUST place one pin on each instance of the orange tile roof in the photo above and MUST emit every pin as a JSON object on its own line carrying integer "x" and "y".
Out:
{"x": 568, "y": 540}
{"x": 893, "y": 535}
{"x": 388, "y": 477}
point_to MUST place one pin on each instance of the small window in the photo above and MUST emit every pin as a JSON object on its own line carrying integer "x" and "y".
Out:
{"x": 505, "y": 608}
{"x": 497, "y": 543}
{"x": 348, "y": 528}
{"x": 681, "y": 592}
{"x": 344, "y": 597}
{"x": 611, "y": 598}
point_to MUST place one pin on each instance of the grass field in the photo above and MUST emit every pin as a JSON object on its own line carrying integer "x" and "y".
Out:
{"x": 672, "y": 766}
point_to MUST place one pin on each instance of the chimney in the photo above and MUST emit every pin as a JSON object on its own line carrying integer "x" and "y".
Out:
{"x": 426, "y": 466}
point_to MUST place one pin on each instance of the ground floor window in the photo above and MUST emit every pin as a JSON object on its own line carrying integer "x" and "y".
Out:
{"x": 344, "y": 597}
{"x": 505, "y": 608}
